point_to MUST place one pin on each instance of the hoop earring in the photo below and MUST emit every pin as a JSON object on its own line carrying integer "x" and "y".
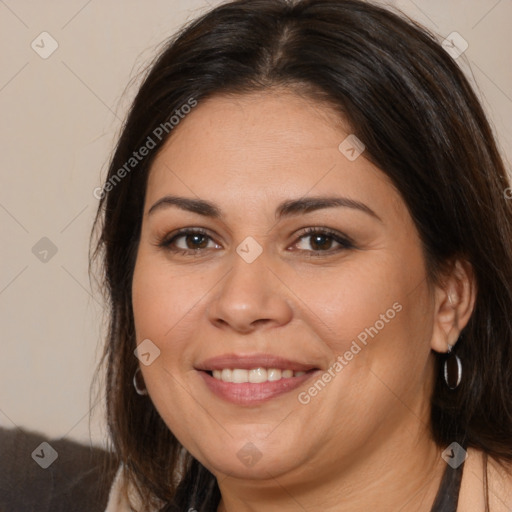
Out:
{"x": 452, "y": 369}
{"x": 141, "y": 390}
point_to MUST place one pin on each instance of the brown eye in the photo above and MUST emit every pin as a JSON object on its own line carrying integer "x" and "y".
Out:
{"x": 321, "y": 240}
{"x": 195, "y": 241}
{"x": 189, "y": 241}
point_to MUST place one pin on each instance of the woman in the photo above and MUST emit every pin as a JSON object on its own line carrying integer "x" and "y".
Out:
{"x": 307, "y": 247}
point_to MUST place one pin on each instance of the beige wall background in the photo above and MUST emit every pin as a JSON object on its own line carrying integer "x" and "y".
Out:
{"x": 60, "y": 117}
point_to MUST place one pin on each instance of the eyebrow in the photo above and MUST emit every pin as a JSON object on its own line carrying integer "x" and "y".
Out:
{"x": 285, "y": 209}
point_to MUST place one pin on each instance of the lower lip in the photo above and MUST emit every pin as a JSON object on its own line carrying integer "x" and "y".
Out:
{"x": 248, "y": 393}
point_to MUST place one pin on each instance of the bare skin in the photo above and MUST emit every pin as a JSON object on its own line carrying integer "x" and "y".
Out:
{"x": 360, "y": 443}
{"x": 472, "y": 498}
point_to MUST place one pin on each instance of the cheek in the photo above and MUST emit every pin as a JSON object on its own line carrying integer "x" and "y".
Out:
{"x": 162, "y": 297}
{"x": 343, "y": 302}
{"x": 375, "y": 316}
{"x": 163, "y": 303}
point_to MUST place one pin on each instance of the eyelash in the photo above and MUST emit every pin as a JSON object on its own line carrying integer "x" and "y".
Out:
{"x": 343, "y": 241}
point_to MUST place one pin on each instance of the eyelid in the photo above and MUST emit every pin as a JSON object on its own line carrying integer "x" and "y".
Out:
{"x": 344, "y": 241}
{"x": 337, "y": 235}
{"x": 166, "y": 240}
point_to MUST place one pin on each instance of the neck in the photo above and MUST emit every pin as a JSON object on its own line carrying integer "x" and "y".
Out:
{"x": 402, "y": 473}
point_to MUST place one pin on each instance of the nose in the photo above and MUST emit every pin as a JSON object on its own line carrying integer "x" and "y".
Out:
{"x": 251, "y": 296}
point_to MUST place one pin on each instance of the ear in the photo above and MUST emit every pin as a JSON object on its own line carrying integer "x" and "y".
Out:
{"x": 454, "y": 303}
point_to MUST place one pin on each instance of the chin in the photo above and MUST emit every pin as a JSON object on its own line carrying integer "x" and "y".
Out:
{"x": 244, "y": 459}
{"x": 266, "y": 468}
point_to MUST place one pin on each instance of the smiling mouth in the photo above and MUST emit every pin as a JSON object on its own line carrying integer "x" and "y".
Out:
{"x": 251, "y": 379}
{"x": 253, "y": 387}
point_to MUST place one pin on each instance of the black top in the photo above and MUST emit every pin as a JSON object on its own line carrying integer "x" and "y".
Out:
{"x": 448, "y": 493}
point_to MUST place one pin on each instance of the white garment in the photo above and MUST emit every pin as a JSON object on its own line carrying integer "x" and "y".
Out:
{"x": 117, "y": 499}
{"x": 119, "y": 491}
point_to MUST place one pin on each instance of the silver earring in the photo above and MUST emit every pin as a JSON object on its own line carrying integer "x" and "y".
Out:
{"x": 452, "y": 369}
{"x": 138, "y": 388}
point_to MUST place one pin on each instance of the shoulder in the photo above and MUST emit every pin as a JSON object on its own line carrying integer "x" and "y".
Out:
{"x": 499, "y": 482}
{"x": 500, "y": 485}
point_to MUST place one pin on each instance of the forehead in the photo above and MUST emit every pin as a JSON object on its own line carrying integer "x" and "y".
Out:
{"x": 263, "y": 146}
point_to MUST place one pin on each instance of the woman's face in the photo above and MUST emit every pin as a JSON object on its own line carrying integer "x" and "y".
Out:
{"x": 255, "y": 296}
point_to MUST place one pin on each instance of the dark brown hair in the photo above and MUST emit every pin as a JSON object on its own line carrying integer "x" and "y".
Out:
{"x": 422, "y": 125}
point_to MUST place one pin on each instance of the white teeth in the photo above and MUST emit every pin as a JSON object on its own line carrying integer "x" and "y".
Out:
{"x": 255, "y": 375}
{"x": 273, "y": 374}
{"x": 239, "y": 376}
{"x": 226, "y": 375}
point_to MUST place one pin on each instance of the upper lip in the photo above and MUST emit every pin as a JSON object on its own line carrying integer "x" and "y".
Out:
{"x": 247, "y": 362}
